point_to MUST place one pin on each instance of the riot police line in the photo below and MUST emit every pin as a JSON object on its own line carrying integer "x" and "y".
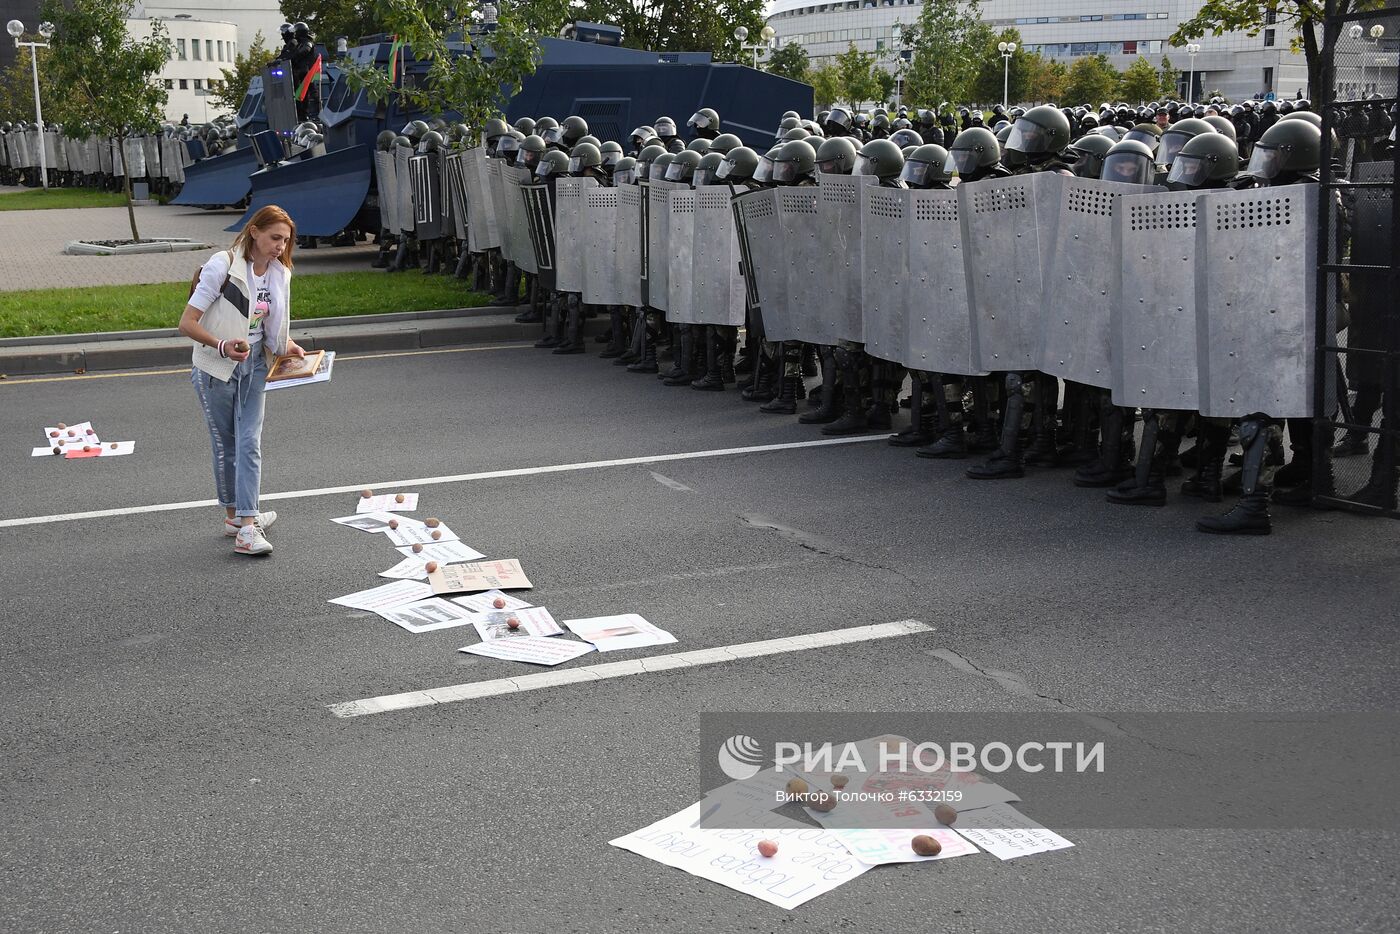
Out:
{"x": 1044, "y": 287}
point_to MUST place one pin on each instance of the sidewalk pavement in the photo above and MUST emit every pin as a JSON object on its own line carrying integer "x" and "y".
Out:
{"x": 23, "y": 356}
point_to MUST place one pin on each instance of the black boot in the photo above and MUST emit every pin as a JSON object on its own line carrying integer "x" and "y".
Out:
{"x": 636, "y": 330}
{"x": 984, "y": 436}
{"x": 785, "y": 402}
{"x": 852, "y": 420}
{"x": 554, "y": 323}
{"x": 1114, "y": 464}
{"x": 923, "y": 413}
{"x": 1005, "y": 462}
{"x": 382, "y": 258}
{"x": 510, "y": 288}
{"x": 1213, "y": 444}
{"x": 680, "y": 374}
{"x": 726, "y": 336}
{"x": 711, "y": 381}
{"x": 951, "y": 443}
{"x": 1044, "y": 450}
{"x": 883, "y": 389}
{"x": 1379, "y": 491}
{"x": 646, "y": 363}
{"x": 1085, "y": 440}
{"x": 764, "y": 388}
{"x": 825, "y": 399}
{"x": 1250, "y": 516}
{"x": 573, "y": 328}
{"x": 1148, "y": 485}
{"x": 617, "y": 328}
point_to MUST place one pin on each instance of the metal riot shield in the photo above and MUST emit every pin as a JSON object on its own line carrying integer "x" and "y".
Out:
{"x": 839, "y": 294}
{"x": 135, "y": 157}
{"x": 644, "y": 241}
{"x": 426, "y": 176}
{"x": 884, "y": 268}
{"x": 517, "y": 179}
{"x": 387, "y": 183}
{"x": 172, "y": 163}
{"x": 1255, "y": 294}
{"x": 403, "y": 178}
{"x": 680, "y": 241}
{"x": 537, "y": 203}
{"x": 29, "y": 149}
{"x": 597, "y": 237}
{"x": 716, "y": 282}
{"x": 118, "y": 169}
{"x": 481, "y": 210}
{"x": 808, "y": 251}
{"x": 104, "y": 156}
{"x": 454, "y": 222}
{"x": 627, "y": 234}
{"x": 1076, "y": 330}
{"x": 571, "y": 196}
{"x": 766, "y": 255}
{"x": 1154, "y": 318}
{"x": 495, "y": 190}
{"x": 1004, "y": 223}
{"x": 50, "y": 147}
{"x": 939, "y": 330}
{"x": 60, "y": 153}
{"x": 150, "y": 145}
{"x": 750, "y": 283}
{"x": 658, "y": 242}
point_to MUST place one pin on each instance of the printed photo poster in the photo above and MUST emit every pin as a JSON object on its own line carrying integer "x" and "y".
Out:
{"x": 370, "y": 521}
{"x": 533, "y": 621}
{"x": 505, "y": 574}
{"x": 429, "y": 615}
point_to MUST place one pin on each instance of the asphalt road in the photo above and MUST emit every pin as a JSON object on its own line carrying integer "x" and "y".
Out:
{"x": 170, "y": 763}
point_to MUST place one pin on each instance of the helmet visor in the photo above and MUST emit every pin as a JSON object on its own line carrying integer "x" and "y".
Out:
{"x": 764, "y": 171}
{"x": 839, "y": 118}
{"x": 507, "y": 145}
{"x": 864, "y": 165}
{"x": 528, "y": 158}
{"x": 1028, "y": 137}
{"x": 665, "y": 130}
{"x": 1132, "y": 168}
{"x": 784, "y": 172}
{"x": 679, "y": 172}
{"x": 1171, "y": 145}
{"x": 831, "y": 167}
{"x": 612, "y": 157}
{"x": 963, "y": 161}
{"x": 656, "y": 172}
{"x": 915, "y": 173}
{"x": 625, "y": 177}
{"x": 1188, "y": 172}
{"x": 1266, "y": 162}
{"x": 544, "y": 169}
{"x": 724, "y": 169}
{"x": 553, "y": 135}
{"x": 576, "y": 165}
{"x": 704, "y": 177}
{"x": 699, "y": 120}
{"x": 1142, "y": 136}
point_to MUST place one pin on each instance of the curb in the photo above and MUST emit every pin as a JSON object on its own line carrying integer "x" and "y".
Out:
{"x": 410, "y": 331}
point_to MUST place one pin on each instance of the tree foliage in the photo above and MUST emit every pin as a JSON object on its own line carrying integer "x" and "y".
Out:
{"x": 858, "y": 76}
{"x": 945, "y": 43}
{"x": 1047, "y": 80}
{"x": 1092, "y": 79}
{"x": 107, "y": 77}
{"x": 246, "y": 65}
{"x": 1303, "y": 18}
{"x": 1167, "y": 79}
{"x": 826, "y": 85}
{"x": 1139, "y": 82}
{"x": 330, "y": 19}
{"x": 679, "y": 25}
{"x": 987, "y": 87}
{"x": 478, "y": 86}
{"x": 790, "y": 61}
{"x": 17, "y": 86}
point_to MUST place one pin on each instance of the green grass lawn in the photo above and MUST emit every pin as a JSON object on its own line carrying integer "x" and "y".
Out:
{"x": 137, "y": 307}
{"x": 38, "y": 199}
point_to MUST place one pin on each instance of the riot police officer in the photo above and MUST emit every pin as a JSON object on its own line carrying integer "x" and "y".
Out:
{"x": 704, "y": 124}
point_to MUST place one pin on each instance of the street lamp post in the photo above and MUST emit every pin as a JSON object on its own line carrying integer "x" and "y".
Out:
{"x": 1192, "y": 50}
{"x": 1007, "y": 49}
{"x": 16, "y": 29}
{"x": 1375, "y": 32}
{"x": 766, "y": 34}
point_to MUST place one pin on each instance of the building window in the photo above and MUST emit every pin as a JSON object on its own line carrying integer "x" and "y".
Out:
{"x": 194, "y": 47}
{"x": 180, "y": 49}
{"x": 184, "y": 84}
{"x": 169, "y": 84}
{"x": 1268, "y": 79}
{"x": 1130, "y": 48}
{"x": 1268, "y": 38}
{"x": 198, "y": 84}
{"x": 209, "y": 50}
{"x": 219, "y": 46}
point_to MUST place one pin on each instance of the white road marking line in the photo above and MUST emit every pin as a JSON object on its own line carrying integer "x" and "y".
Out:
{"x": 727, "y": 653}
{"x": 455, "y": 478}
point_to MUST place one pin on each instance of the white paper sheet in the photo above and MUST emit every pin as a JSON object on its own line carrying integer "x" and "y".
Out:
{"x": 385, "y": 502}
{"x": 809, "y": 861}
{"x": 1006, "y": 833}
{"x": 429, "y": 615}
{"x": 70, "y": 435}
{"x": 412, "y": 568}
{"x": 485, "y": 602}
{"x": 443, "y": 552}
{"x": 322, "y": 375}
{"x": 385, "y": 596}
{"x": 371, "y": 521}
{"x": 411, "y": 533}
{"x": 535, "y": 622}
{"x": 533, "y": 649}
{"x": 46, "y": 452}
{"x": 879, "y": 846}
{"x": 610, "y": 633}
{"x": 118, "y": 448}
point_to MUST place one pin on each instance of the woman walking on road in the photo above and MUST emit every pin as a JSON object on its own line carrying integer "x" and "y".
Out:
{"x": 239, "y": 316}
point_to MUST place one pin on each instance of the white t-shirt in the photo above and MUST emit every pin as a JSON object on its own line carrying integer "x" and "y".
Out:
{"x": 261, "y": 304}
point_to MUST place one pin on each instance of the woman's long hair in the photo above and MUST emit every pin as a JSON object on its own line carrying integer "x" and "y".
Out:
{"x": 265, "y": 218}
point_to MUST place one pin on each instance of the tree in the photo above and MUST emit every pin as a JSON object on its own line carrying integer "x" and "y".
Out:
{"x": 1139, "y": 82}
{"x": 1302, "y": 17}
{"x": 945, "y": 43}
{"x": 988, "y": 84}
{"x": 679, "y": 25}
{"x": 107, "y": 77}
{"x": 246, "y": 65}
{"x": 477, "y": 87}
{"x": 330, "y": 19}
{"x": 857, "y": 76}
{"x": 1167, "y": 80}
{"x": 17, "y": 86}
{"x": 790, "y": 61}
{"x": 1047, "y": 80}
{"x": 886, "y": 81}
{"x": 826, "y": 85}
{"x": 1091, "y": 80}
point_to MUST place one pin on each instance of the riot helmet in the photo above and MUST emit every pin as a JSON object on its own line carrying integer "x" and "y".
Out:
{"x": 1008, "y": 156}
{"x": 763, "y": 173}
{"x": 724, "y": 142}
{"x": 665, "y": 128}
{"x": 795, "y": 133}
{"x": 303, "y": 33}
{"x": 795, "y": 161}
{"x": 1206, "y": 161}
{"x": 704, "y": 123}
{"x": 1112, "y": 130}
{"x": 286, "y": 31}
{"x": 1041, "y": 132}
{"x": 641, "y": 136}
{"x": 525, "y": 125}
{"x": 1129, "y": 161}
{"x": 382, "y": 142}
{"x": 645, "y": 158}
{"x": 1314, "y": 118}
{"x": 709, "y": 165}
{"x": 1089, "y": 152}
{"x": 836, "y": 156}
{"x": 659, "y": 165}
{"x": 789, "y": 113}
{"x": 1149, "y": 134}
{"x": 1223, "y": 125}
{"x": 495, "y": 129}
{"x": 543, "y": 125}
{"x": 612, "y": 153}
{"x": 926, "y": 167}
{"x": 625, "y": 172}
{"x": 973, "y": 149}
{"x": 906, "y": 137}
{"x": 738, "y": 165}
{"x": 552, "y": 165}
{"x": 509, "y": 144}
{"x": 531, "y": 149}
{"x": 1177, "y": 135}
{"x": 589, "y": 139}
{"x": 583, "y": 157}
{"x": 432, "y": 141}
{"x": 838, "y": 121}
{"x": 787, "y": 123}
{"x": 1288, "y": 148}
{"x": 682, "y": 166}
{"x": 1088, "y": 122}
{"x": 414, "y": 130}
{"x": 813, "y": 128}
{"x": 881, "y": 158}
{"x": 700, "y": 144}
{"x": 572, "y": 131}
{"x": 901, "y": 123}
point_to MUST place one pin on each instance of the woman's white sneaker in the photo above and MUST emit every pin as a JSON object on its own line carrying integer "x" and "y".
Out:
{"x": 264, "y": 519}
{"x": 251, "y": 541}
